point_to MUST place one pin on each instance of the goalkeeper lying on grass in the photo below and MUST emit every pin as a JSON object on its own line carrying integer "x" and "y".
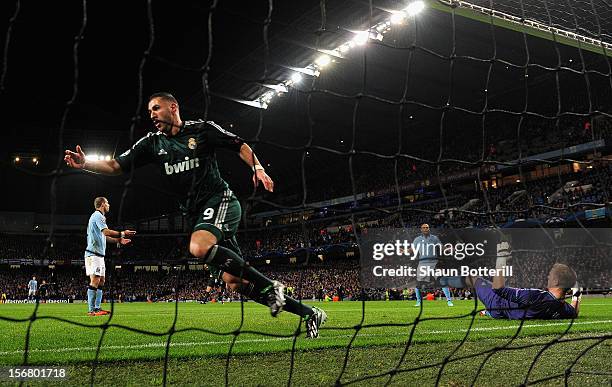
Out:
{"x": 522, "y": 304}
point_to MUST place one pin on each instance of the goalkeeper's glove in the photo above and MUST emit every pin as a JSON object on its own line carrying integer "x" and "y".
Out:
{"x": 501, "y": 262}
{"x": 576, "y": 293}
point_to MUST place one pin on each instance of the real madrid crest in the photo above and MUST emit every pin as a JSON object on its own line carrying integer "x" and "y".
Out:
{"x": 192, "y": 144}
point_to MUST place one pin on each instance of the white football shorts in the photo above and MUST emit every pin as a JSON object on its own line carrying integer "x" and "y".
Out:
{"x": 94, "y": 265}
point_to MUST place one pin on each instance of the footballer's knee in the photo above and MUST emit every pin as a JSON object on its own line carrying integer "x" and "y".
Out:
{"x": 198, "y": 251}
{"x": 201, "y": 242}
{"x": 94, "y": 281}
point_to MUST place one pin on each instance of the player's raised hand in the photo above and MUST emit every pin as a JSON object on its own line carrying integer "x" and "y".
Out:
{"x": 124, "y": 241}
{"x": 75, "y": 159}
{"x": 261, "y": 175}
{"x": 576, "y": 291}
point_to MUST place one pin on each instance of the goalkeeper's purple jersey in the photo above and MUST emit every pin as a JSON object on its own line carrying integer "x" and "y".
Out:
{"x": 517, "y": 303}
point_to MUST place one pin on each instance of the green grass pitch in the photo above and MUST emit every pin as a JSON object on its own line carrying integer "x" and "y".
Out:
{"x": 440, "y": 347}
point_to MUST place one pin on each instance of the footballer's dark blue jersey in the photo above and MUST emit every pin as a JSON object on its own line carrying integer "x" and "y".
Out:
{"x": 187, "y": 160}
{"x": 517, "y": 303}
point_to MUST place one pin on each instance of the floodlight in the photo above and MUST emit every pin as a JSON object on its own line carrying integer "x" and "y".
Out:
{"x": 415, "y": 7}
{"x": 323, "y": 60}
{"x": 296, "y": 77}
{"x": 361, "y": 38}
{"x": 398, "y": 17}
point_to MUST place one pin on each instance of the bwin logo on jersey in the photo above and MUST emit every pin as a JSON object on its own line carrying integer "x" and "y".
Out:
{"x": 182, "y": 166}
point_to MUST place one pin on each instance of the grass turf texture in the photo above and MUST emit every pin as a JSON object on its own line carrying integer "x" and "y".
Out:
{"x": 203, "y": 336}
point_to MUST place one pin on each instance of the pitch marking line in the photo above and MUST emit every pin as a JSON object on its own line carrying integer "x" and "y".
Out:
{"x": 272, "y": 339}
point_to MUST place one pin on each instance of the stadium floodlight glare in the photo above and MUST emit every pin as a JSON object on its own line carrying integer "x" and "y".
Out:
{"x": 267, "y": 97}
{"x": 34, "y": 160}
{"x": 92, "y": 158}
{"x": 17, "y": 159}
{"x": 344, "y": 48}
{"x": 107, "y": 158}
{"x": 257, "y": 103}
{"x": 398, "y": 17}
{"x": 415, "y": 7}
{"x": 310, "y": 70}
{"x": 278, "y": 88}
{"x": 264, "y": 100}
{"x": 331, "y": 53}
{"x": 296, "y": 77}
{"x": 323, "y": 61}
{"x": 361, "y": 38}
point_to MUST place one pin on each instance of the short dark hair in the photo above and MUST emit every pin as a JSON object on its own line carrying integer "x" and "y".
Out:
{"x": 164, "y": 95}
{"x": 99, "y": 201}
{"x": 561, "y": 276}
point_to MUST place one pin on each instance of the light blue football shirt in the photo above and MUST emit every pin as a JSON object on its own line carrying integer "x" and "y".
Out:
{"x": 96, "y": 241}
{"x": 33, "y": 285}
{"x": 427, "y": 246}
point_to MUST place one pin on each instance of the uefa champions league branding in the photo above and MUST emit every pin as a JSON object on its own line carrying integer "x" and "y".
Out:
{"x": 401, "y": 258}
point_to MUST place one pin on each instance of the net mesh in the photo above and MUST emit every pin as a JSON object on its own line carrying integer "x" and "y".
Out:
{"x": 584, "y": 17}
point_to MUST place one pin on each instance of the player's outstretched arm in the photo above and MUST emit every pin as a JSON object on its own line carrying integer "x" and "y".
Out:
{"x": 499, "y": 281}
{"x": 248, "y": 156}
{"x": 118, "y": 236}
{"x": 77, "y": 160}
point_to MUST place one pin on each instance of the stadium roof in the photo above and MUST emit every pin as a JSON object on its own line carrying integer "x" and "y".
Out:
{"x": 360, "y": 92}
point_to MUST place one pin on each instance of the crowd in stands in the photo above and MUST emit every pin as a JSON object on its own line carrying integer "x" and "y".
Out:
{"x": 322, "y": 282}
{"x": 336, "y": 279}
{"x": 69, "y": 282}
{"x": 317, "y": 281}
{"x": 556, "y": 196}
{"x": 28, "y": 247}
{"x": 533, "y": 266}
{"x": 61, "y": 284}
{"x": 542, "y": 199}
{"x": 465, "y": 143}
{"x": 546, "y": 198}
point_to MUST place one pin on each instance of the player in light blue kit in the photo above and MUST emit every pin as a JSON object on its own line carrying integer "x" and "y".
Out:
{"x": 32, "y": 288}
{"x": 426, "y": 247}
{"x": 98, "y": 234}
